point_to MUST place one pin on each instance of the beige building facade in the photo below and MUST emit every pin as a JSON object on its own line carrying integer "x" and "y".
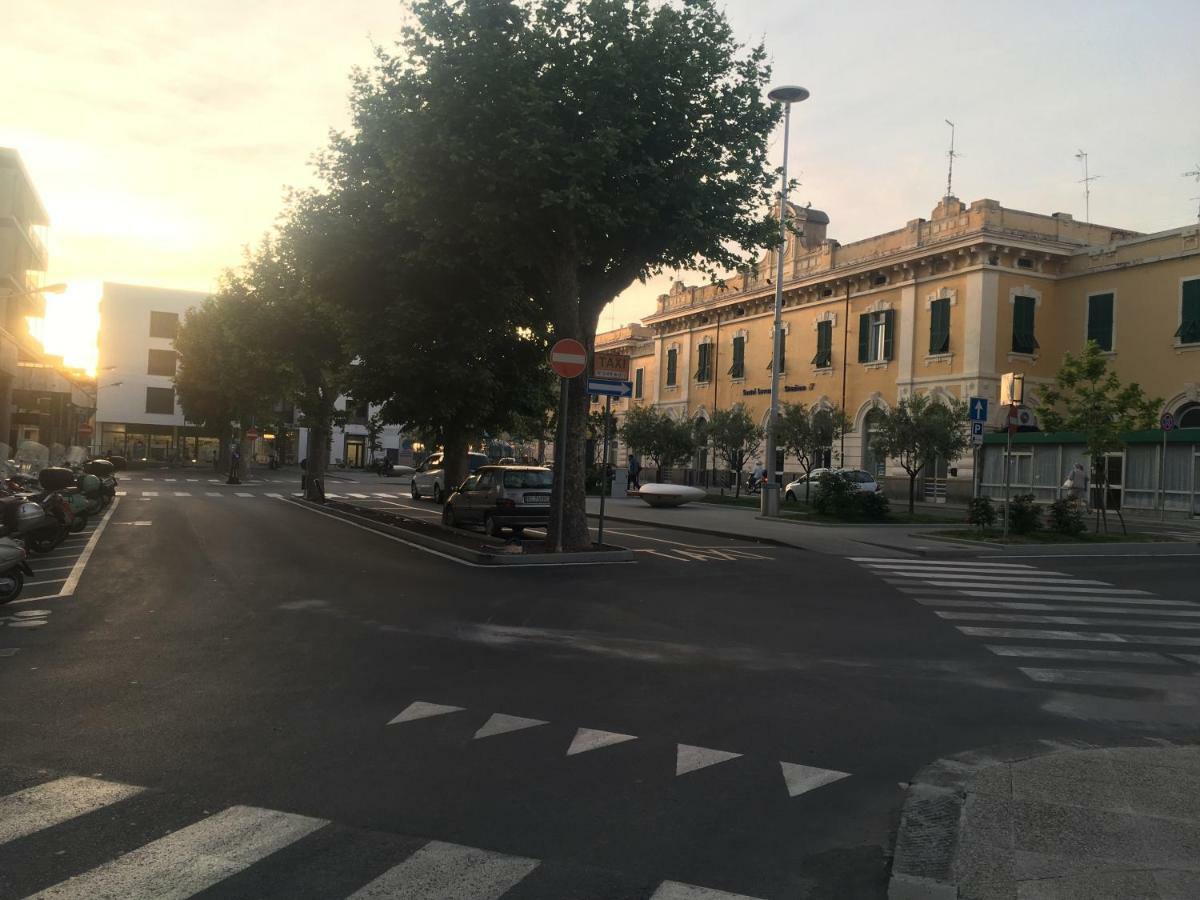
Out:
{"x": 944, "y": 306}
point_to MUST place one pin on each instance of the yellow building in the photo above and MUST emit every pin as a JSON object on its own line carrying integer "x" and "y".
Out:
{"x": 943, "y": 306}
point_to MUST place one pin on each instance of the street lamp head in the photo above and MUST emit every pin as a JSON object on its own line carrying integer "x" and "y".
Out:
{"x": 788, "y": 93}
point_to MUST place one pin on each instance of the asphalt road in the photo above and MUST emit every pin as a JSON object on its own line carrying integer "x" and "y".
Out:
{"x": 742, "y": 717}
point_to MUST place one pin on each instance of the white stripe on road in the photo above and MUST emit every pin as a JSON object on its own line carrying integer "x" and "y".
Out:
{"x": 73, "y": 579}
{"x": 240, "y": 494}
{"x": 190, "y": 860}
{"x": 441, "y": 871}
{"x": 1063, "y": 620}
{"x": 1186, "y": 687}
{"x": 55, "y": 802}
{"x": 149, "y": 493}
{"x": 677, "y": 890}
{"x": 923, "y": 569}
{"x": 1118, "y": 656}
{"x": 276, "y": 496}
{"x": 1050, "y": 587}
{"x": 359, "y": 496}
{"x": 1065, "y": 606}
{"x": 183, "y": 493}
{"x": 999, "y": 579}
{"x": 1058, "y": 595}
{"x": 1097, "y": 637}
{"x": 935, "y": 562}
{"x": 212, "y": 494}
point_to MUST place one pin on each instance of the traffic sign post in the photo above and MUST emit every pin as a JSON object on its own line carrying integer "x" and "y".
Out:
{"x": 605, "y": 388}
{"x": 976, "y": 433}
{"x": 1013, "y": 417}
{"x": 978, "y": 408}
{"x": 610, "y": 366}
{"x": 568, "y": 359}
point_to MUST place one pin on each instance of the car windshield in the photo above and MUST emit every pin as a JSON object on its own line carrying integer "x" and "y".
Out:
{"x": 528, "y": 479}
{"x": 858, "y": 476}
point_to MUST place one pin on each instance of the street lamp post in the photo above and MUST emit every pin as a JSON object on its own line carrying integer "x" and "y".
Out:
{"x": 786, "y": 95}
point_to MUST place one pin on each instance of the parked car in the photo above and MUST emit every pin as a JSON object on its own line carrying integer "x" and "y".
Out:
{"x": 499, "y": 497}
{"x": 860, "y": 478}
{"x": 429, "y": 481}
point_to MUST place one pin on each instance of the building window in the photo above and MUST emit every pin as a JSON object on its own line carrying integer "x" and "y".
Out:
{"x": 1024, "y": 263}
{"x": 638, "y": 376}
{"x": 1023, "y": 340}
{"x": 704, "y": 366}
{"x": 824, "y": 357}
{"x": 738, "y": 368}
{"x": 939, "y": 325}
{"x": 160, "y": 401}
{"x": 876, "y": 336}
{"x": 879, "y": 279}
{"x": 162, "y": 362}
{"x": 672, "y": 366}
{"x": 164, "y": 324}
{"x": 1100, "y": 320}
{"x": 1189, "y": 318}
{"x": 1188, "y": 416}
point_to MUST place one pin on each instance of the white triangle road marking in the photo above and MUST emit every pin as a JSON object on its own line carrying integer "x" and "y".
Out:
{"x": 802, "y": 779}
{"x": 422, "y": 710}
{"x": 358, "y": 496}
{"x": 500, "y": 723}
{"x": 689, "y": 758}
{"x": 677, "y": 890}
{"x": 591, "y": 739}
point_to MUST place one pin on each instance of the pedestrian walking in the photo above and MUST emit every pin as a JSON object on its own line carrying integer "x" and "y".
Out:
{"x": 758, "y": 474}
{"x": 1076, "y": 482}
{"x": 635, "y": 472}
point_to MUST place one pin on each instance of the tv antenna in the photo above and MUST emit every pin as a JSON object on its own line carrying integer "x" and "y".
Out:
{"x": 1195, "y": 173}
{"x": 951, "y": 155}
{"x": 1086, "y": 181}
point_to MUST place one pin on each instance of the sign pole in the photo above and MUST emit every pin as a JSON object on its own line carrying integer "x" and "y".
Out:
{"x": 1007, "y": 478}
{"x": 604, "y": 470}
{"x": 1162, "y": 480}
{"x": 560, "y": 464}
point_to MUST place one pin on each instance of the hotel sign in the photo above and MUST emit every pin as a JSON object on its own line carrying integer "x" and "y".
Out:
{"x": 789, "y": 388}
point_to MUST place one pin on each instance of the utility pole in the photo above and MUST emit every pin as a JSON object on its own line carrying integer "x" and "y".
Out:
{"x": 1087, "y": 186}
{"x": 951, "y": 155}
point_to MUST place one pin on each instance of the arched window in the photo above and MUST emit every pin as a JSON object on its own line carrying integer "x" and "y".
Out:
{"x": 1189, "y": 416}
{"x": 873, "y": 462}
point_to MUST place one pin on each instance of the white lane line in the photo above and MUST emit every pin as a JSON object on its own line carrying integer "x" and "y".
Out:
{"x": 388, "y": 496}
{"x": 212, "y": 493}
{"x": 1058, "y": 594}
{"x": 360, "y": 496}
{"x": 441, "y": 871}
{"x": 122, "y": 493}
{"x": 1093, "y": 637}
{"x": 54, "y": 802}
{"x": 677, "y": 890}
{"x": 241, "y": 494}
{"x": 1062, "y": 620}
{"x": 1187, "y": 686}
{"x": 996, "y": 578}
{"x": 41, "y": 569}
{"x": 183, "y": 493}
{"x": 899, "y": 568}
{"x": 168, "y": 479}
{"x": 149, "y": 493}
{"x": 147, "y": 479}
{"x": 1082, "y": 654}
{"x": 276, "y": 496}
{"x": 190, "y": 860}
{"x": 69, "y": 588}
{"x": 936, "y": 562}
{"x": 1066, "y": 607}
{"x": 1054, "y": 587}
{"x": 1094, "y": 555}
{"x": 193, "y": 479}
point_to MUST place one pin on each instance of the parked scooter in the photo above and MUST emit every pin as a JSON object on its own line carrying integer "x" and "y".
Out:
{"x": 13, "y": 569}
{"x": 43, "y": 519}
{"x": 106, "y": 471}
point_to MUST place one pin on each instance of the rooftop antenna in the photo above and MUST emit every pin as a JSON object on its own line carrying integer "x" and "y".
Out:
{"x": 1195, "y": 173}
{"x": 1087, "y": 186}
{"x": 951, "y": 154}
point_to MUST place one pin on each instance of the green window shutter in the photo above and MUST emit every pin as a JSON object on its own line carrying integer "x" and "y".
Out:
{"x": 672, "y": 362}
{"x": 1023, "y": 339}
{"x": 1100, "y": 320}
{"x": 1189, "y": 325}
{"x": 939, "y": 326}
{"x": 864, "y": 338}
{"x": 637, "y": 383}
{"x": 889, "y": 333}
{"x": 824, "y": 344}
{"x": 738, "y": 369}
{"x": 783, "y": 351}
{"x": 702, "y": 368}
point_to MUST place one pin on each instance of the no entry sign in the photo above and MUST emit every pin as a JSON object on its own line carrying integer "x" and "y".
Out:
{"x": 568, "y": 358}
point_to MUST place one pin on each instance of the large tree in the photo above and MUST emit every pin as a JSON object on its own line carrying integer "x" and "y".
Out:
{"x": 576, "y": 145}
{"x": 1090, "y": 399}
{"x": 659, "y": 437}
{"x": 809, "y": 434}
{"x": 734, "y": 436}
{"x": 919, "y": 430}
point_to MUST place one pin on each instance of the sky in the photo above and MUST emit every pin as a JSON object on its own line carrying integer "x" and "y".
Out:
{"x": 161, "y": 134}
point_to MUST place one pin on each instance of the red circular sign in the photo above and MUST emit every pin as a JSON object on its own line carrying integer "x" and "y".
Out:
{"x": 568, "y": 358}
{"x": 252, "y": 434}
{"x": 85, "y": 428}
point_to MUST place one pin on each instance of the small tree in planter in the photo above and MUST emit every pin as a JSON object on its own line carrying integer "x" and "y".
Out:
{"x": 808, "y": 434}
{"x": 734, "y": 436}
{"x": 658, "y": 436}
{"x": 918, "y": 431}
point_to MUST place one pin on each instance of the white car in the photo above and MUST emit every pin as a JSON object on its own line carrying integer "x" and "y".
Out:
{"x": 429, "y": 481}
{"x": 861, "y": 479}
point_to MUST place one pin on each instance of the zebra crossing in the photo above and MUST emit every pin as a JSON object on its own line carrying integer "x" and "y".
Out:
{"x": 274, "y": 495}
{"x": 236, "y": 850}
{"x": 1062, "y": 630}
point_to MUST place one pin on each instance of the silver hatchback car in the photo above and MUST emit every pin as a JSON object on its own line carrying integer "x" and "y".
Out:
{"x": 499, "y": 497}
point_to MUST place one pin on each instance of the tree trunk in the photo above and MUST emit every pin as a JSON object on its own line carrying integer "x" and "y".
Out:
{"x": 454, "y": 460}
{"x": 318, "y": 457}
{"x": 807, "y": 484}
{"x": 912, "y": 492}
{"x": 224, "y": 438}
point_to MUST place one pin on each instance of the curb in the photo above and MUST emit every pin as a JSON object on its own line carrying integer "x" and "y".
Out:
{"x": 711, "y": 532}
{"x": 477, "y": 557}
{"x": 927, "y": 837}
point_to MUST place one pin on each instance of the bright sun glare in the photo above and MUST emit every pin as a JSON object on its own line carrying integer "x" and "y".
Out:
{"x": 71, "y": 324}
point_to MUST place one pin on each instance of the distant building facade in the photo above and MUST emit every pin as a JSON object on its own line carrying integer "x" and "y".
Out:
{"x": 943, "y": 306}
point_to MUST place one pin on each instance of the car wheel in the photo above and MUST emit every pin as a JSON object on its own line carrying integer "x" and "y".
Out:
{"x": 414, "y": 490}
{"x": 438, "y": 495}
{"x": 490, "y": 526}
{"x": 790, "y": 496}
{"x": 448, "y": 518}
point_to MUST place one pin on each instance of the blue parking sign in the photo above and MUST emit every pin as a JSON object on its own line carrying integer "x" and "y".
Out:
{"x": 978, "y": 410}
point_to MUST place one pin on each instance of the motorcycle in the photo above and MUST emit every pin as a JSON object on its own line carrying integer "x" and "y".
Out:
{"x": 106, "y": 471}
{"x": 42, "y": 519}
{"x": 13, "y": 569}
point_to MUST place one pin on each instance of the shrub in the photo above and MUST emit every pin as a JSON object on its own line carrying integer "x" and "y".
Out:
{"x": 835, "y": 496}
{"x": 981, "y": 513}
{"x": 1024, "y": 515}
{"x": 873, "y": 505}
{"x": 1066, "y": 517}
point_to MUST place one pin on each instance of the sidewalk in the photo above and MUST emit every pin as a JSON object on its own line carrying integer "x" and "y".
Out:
{"x": 1050, "y": 823}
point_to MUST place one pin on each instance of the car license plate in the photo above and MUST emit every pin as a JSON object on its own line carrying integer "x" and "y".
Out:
{"x": 537, "y": 499}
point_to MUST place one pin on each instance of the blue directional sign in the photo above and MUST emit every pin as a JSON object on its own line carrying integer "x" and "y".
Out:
{"x": 979, "y": 409}
{"x": 610, "y": 388}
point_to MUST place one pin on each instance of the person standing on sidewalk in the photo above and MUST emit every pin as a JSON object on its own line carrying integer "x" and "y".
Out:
{"x": 635, "y": 472}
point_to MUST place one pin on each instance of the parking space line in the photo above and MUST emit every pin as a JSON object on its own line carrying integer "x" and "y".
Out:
{"x": 73, "y": 579}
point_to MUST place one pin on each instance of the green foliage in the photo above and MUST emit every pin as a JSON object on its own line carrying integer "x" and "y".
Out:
{"x": 734, "y": 436}
{"x": 840, "y": 498}
{"x": 1024, "y": 515}
{"x": 1067, "y": 517}
{"x": 919, "y": 430}
{"x": 808, "y": 433}
{"x": 981, "y": 513}
{"x": 873, "y": 506}
{"x": 658, "y": 436}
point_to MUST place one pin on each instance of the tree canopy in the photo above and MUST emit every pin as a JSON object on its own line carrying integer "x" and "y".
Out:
{"x": 919, "y": 430}
{"x": 659, "y": 436}
{"x": 809, "y": 433}
{"x": 734, "y": 436}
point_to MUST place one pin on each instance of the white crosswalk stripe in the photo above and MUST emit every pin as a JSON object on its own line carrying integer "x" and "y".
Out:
{"x": 200, "y": 856}
{"x": 1028, "y": 614}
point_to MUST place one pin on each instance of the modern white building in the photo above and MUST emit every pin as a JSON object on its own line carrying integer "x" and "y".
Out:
{"x": 137, "y": 414}
{"x": 349, "y": 444}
